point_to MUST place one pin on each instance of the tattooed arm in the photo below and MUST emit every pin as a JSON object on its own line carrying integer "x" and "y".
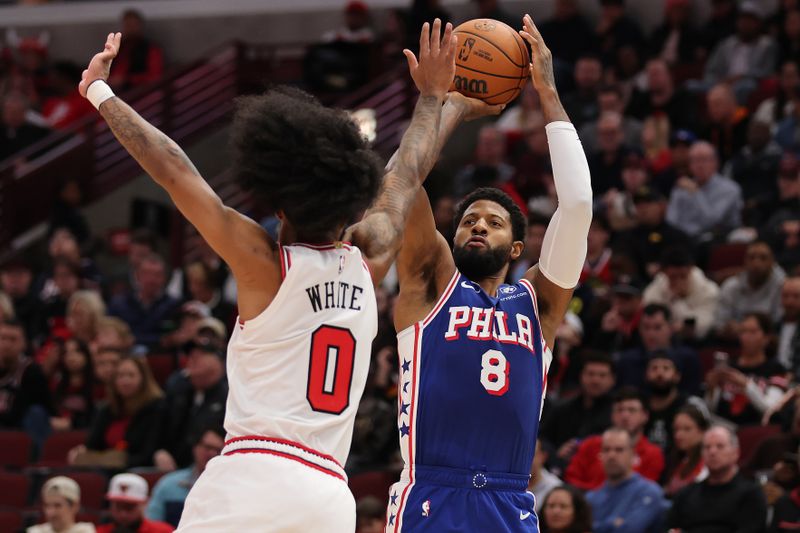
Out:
{"x": 169, "y": 166}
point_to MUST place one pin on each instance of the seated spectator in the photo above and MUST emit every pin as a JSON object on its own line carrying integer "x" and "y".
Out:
{"x": 491, "y": 9}
{"x": 73, "y": 388}
{"x": 565, "y": 510}
{"x": 113, "y": 333}
{"x": 626, "y": 502}
{"x": 490, "y": 153}
{"x": 656, "y": 338}
{"x": 786, "y": 511}
{"x": 759, "y": 159}
{"x": 370, "y": 515}
{"x": 420, "y": 12}
{"x": 522, "y": 114}
{"x": 194, "y": 399}
{"x": 676, "y": 41}
{"x": 772, "y": 212}
{"x": 619, "y": 326}
{"x": 139, "y": 61}
{"x": 662, "y": 97}
{"x": 628, "y": 413}
{"x": 615, "y": 30}
{"x": 7, "y": 308}
{"x": 201, "y": 288}
{"x": 788, "y": 350}
{"x": 105, "y": 361}
{"x": 773, "y": 110}
{"x": 690, "y": 296}
{"x": 755, "y": 290}
{"x": 65, "y": 106}
{"x": 85, "y": 309}
{"x": 568, "y": 34}
{"x": 596, "y": 271}
{"x": 752, "y": 384}
{"x": 61, "y": 501}
{"x": 567, "y": 423}
{"x": 125, "y": 432}
{"x": 680, "y": 144}
{"x": 146, "y": 308}
{"x": 66, "y": 281}
{"x": 356, "y": 25}
{"x": 746, "y": 57}
{"x": 685, "y": 461}
{"x": 16, "y": 133}
{"x": 606, "y": 162}
{"x": 534, "y": 237}
{"x": 169, "y": 494}
{"x": 127, "y": 496}
{"x": 25, "y": 401}
{"x": 774, "y": 448}
{"x": 727, "y": 122}
{"x": 610, "y": 98}
{"x": 656, "y": 131}
{"x": 706, "y": 204}
{"x": 725, "y": 500}
{"x": 66, "y": 211}
{"x": 789, "y": 34}
{"x": 581, "y": 103}
{"x": 617, "y": 204}
{"x": 542, "y": 481}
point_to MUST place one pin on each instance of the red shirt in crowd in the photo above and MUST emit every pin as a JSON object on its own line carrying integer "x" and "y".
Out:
{"x": 585, "y": 470}
{"x": 147, "y": 526}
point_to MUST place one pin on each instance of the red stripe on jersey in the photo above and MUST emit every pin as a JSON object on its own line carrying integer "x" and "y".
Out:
{"x": 445, "y": 295}
{"x": 287, "y": 443}
{"x": 411, "y": 429}
{"x": 288, "y": 456}
{"x": 283, "y": 262}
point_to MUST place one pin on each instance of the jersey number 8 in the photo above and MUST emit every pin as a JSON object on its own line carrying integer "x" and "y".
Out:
{"x": 494, "y": 372}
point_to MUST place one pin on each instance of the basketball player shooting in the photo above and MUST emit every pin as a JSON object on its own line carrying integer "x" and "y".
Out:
{"x": 299, "y": 356}
{"x": 474, "y": 352}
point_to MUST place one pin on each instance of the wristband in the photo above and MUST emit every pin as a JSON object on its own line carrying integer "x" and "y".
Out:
{"x": 98, "y": 92}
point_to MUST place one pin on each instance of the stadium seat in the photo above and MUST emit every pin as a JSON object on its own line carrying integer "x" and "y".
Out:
{"x": 10, "y": 521}
{"x": 372, "y": 484}
{"x": 93, "y": 488}
{"x": 725, "y": 260}
{"x": 750, "y": 437}
{"x": 57, "y": 445}
{"x": 162, "y": 365}
{"x": 15, "y": 449}
{"x": 15, "y": 490}
{"x": 151, "y": 478}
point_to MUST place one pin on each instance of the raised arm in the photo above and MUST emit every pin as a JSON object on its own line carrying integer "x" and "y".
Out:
{"x": 379, "y": 234}
{"x": 252, "y": 250}
{"x": 564, "y": 246}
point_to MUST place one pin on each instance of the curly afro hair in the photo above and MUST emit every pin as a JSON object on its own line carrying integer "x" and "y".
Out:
{"x": 518, "y": 221}
{"x": 305, "y": 159}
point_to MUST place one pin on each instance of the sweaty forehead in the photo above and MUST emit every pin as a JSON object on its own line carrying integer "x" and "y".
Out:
{"x": 485, "y": 208}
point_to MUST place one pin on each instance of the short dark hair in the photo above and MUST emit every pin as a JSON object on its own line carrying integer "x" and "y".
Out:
{"x": 628, "y": 393}
{"x": 677, "y": 256}
{"x": 304, "y": 159}
{"x": 655, "y": 309}
{"x": 518, "y": 222}
{"x": 764, "y": 321}
{"x": 216, "y": 429}
{"x": 598, "y": 358}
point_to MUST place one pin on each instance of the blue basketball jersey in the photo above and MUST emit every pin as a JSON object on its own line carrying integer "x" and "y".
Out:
{"x": 473, "y": 377}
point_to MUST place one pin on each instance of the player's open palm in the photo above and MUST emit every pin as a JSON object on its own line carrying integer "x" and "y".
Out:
{"x": 100, "y": 66}
{"x": 541, "y": 57}
{"x": 435, "y": 69}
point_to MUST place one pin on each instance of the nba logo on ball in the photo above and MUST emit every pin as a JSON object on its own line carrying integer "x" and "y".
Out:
{"x": 426, "y": 508}
{"x": 492, "y": 63}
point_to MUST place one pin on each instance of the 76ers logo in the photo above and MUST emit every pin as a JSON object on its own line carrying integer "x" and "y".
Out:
{"x": 466, "y": 48}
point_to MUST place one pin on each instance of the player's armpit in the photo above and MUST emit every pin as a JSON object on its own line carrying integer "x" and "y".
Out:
{"x": 553, "y": 302}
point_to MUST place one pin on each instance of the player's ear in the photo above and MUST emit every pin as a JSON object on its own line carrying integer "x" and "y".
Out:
{"x": 516, "y": 249}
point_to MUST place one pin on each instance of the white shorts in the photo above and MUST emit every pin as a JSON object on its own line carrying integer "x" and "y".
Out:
{"x": 276, "y": 490}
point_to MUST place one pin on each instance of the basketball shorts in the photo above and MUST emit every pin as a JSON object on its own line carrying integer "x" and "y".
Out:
{"x": 445, "y": 500}
{"x": 264, "y": 485}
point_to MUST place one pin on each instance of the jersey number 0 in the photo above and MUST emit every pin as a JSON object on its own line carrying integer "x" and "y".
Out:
{"x": 330, "y": 369}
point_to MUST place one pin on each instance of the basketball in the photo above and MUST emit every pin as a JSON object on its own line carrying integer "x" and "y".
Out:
{"x": 491, "y": 62}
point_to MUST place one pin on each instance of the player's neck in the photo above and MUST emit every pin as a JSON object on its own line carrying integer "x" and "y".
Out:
{"x": 492, "y": 283}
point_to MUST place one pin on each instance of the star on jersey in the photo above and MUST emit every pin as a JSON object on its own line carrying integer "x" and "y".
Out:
{"x": 406, "y": 365}
{"x": 404, "y": 430}
{"x": 405, "y": 387}
{"x": 404, "y": 407}
{"x": 394, "y": 498}
{"x": 391, "y": 520}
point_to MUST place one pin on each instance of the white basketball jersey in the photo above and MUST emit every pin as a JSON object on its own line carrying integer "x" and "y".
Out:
{"x": 297, "y": 371}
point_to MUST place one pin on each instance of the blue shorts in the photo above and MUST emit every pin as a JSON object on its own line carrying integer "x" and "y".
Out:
{"x": 442, "y": 500}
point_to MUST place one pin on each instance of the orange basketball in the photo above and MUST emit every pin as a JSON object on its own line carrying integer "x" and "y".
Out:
{"x": 491, "y": 62}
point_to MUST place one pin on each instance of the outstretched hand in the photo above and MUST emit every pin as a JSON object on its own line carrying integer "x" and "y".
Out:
{"x": 100, "y": 65}
{"x": 541, "y": 58}
{"x": 435, "y": 69}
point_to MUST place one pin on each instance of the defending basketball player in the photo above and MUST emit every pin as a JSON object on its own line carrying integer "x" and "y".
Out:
{"x": 298, "y": 358}
{"x": 474, "y": 352}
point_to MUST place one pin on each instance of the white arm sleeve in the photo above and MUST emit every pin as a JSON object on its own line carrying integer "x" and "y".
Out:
{"x": 564, "y": 246}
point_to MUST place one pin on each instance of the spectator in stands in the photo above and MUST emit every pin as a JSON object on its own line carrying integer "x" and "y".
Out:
{"x": 567, "y": 423}
{"x": 356, "y": 25}
{"x": 73, "y": 388}
{"x": 146, "y": 308}
{"x": 531, "y": 159}
{"x": 676, "y": 41}
{"x": 169, "y": 494}
{"x": 16, "y": 281}
{"x": 774, "y": 448}
{"x": 788, "y": 351}
{"x": 194, "y": 399}
{"x": 628, "y": 413}
{"x": 568, "y": 34}
{"x": 655, "y": 138}
{"x": 596, "y": 271}
{"x": 113, "y": 333}
{"x": 647, "y": 242}
{"x": 615, "y": 30}
{"x": 619, "y": 325}
{"x": 16, "y": 133}
{"x": 707, "y": 203}
{"x": 125, "y": 432}
{"x": 106, "y": 359}
{"x": 542, "y": 480}
{"x": 490, "y": 155}
{"x": 202, "y": 289}
{"x": 139, "y": 60}
{"x": 127, "y": 495}
{"x": 61, "y": 501}
{"x": 756, "y": 289}
{"x": 611, "y": 98}
{"x": 25, "y": 401}
{"x": 85, "y": 309}
{"x": 606, "y": 162}
{"x": 725, "y": 500}
{"x": 690, "y": 296}
{"x": 221, "y": 278}
{"x": 6, "y": 307}
{"x": 581, "y": 103}
{"x": 534, "y": 236}
{"x": 727, "y": 122}
{"x": 773, "y": 110}
{"x": 423, "y": 11}
{"x": 525, "y": 112}
{"x": 370, "y": 515}
{"x": 662, "y": 96}
{"x": 64, "y": 283}
{"x": 65, "y": 106}
{"x": 64, "y": 244}
{"x": 752, "y": 384}
{"x": 626, "y": 502}
{"x": 565, "y": 510}
{"x": 685, "y": 460}
{"x": 743, "y": 59}
{"x": 759, "y": 159}
{"x": 789, "y": 36}
{"x": 618, "y": 203}
{"x": 771, "y": 212}
{"x": 491, "y": 9}
{"x": 66, "y": 211}
{"x": 656, "y": 337}
{"x": 720, "y": 25}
